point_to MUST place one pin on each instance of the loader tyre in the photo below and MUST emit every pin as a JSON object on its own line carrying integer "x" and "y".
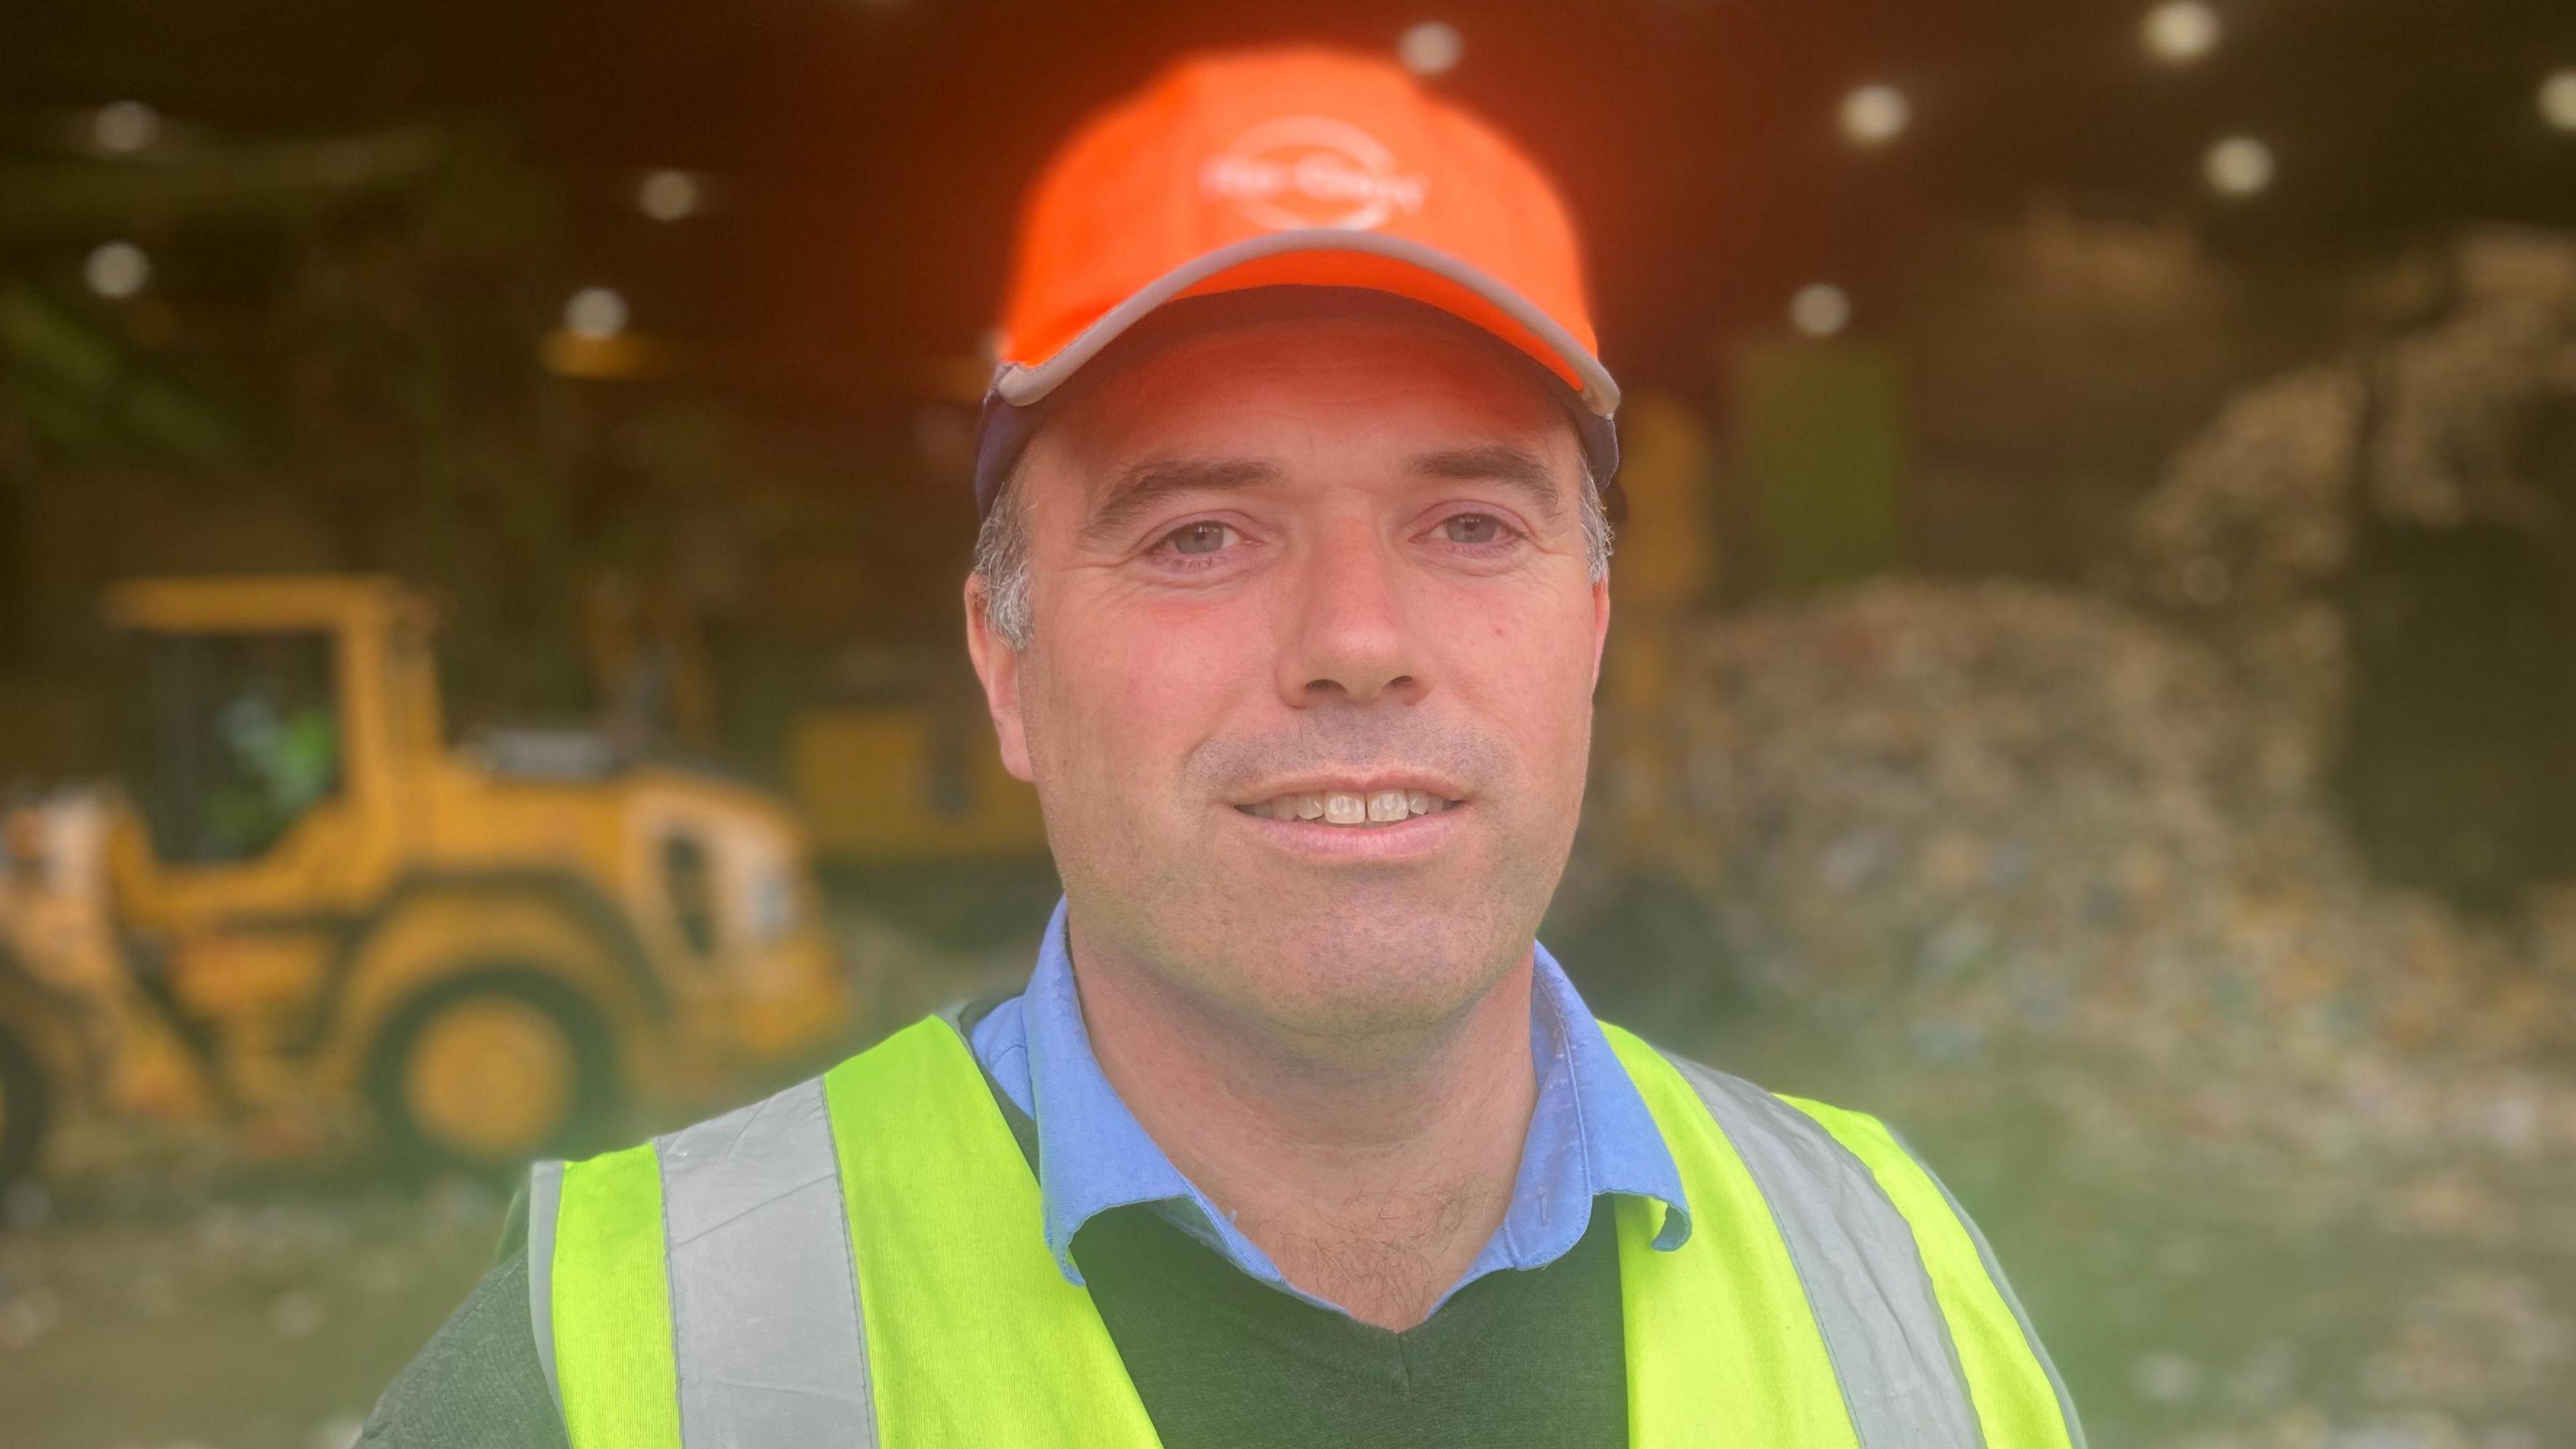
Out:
{"x": 485, "y": 1071}
{"x": 25, "y": 1110}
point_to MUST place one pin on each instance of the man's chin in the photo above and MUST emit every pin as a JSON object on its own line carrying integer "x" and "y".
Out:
{"x": 1357, "y": 972}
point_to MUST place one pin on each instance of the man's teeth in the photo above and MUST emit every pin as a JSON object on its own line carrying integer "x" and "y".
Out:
{"x": 1345, "y": 807}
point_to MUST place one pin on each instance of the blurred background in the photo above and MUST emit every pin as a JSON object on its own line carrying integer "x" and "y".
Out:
{"x": 483, "y": 497}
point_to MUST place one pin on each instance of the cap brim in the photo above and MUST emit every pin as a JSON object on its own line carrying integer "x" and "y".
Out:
{"x": 1022, "y": 384}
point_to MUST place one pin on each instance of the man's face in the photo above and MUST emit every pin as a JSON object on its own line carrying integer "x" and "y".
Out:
{"x": 1300, "y": 559}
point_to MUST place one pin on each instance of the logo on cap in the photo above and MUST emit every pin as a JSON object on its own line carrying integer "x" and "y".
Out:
{"x": 1312, "y": 171}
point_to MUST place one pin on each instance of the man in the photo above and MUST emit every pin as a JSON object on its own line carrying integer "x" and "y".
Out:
{"x": 1290, "y": 600}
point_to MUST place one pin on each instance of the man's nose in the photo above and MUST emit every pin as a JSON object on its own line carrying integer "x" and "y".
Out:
{"x": 1349, "y": 633}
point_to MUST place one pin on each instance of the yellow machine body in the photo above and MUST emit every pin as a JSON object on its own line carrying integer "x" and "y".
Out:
{"x": 371, "y": 868}
{"x": 908, "y": 783}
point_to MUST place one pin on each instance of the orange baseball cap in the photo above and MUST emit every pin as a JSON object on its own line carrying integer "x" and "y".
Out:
{"x": 1291, "y": 167}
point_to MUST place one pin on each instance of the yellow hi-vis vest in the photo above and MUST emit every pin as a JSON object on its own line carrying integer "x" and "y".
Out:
{"x": 859, "y": 1261}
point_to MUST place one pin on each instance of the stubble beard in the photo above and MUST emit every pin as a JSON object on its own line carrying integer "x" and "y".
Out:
{"x": 1348, "y": 961}
{"x": 1351, "y": 964}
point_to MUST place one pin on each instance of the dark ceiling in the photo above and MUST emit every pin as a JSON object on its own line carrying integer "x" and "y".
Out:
{"x": 871, "y": 152}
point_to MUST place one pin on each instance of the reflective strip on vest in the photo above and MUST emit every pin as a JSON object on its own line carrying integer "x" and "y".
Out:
{"x": 545, "y": 1192}
{"x": 710, "y": 1289}
{"x": 2016, "y": 1389}
{"x": 1873, "y": 1304}
{"x": 759, "y": 1316}
{"x": 753, "y": 1205}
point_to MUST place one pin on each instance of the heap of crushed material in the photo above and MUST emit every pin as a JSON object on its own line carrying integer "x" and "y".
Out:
{"x": 1991, "y": 813}
{"x": 2060, "y": 882}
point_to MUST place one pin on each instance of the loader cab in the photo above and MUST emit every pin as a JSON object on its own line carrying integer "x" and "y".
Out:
{"x": 239, "y": 740}
{"x": 277, "y": 724}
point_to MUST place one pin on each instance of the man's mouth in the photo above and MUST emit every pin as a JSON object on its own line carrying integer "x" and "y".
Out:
{"x": 1353, "y": 809}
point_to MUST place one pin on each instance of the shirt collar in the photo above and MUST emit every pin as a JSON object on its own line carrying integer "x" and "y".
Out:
{"x": 1590, "y": 1132}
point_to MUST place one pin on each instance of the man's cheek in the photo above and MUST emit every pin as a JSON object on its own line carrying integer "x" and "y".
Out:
{"x": 1127, "y": 708}
{"x": 1180, "y": 670}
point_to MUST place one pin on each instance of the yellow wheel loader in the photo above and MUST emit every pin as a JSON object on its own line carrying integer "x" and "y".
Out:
{"x": 310, "y": 919}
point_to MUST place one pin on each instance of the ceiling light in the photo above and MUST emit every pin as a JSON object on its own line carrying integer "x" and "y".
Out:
{"x": 2238, "y": 166}
{"x": 668, "y": 195}
{"x": 116, "y": 270}
{"x": 1430, "y": 48}
{"x": 595, "y": 312}
{"x": 122, "y": 128}
{"x": 1820, "y": 309}
{"x": 1875, "y": 115}
{"x": 2180, "y": 31}
{"x": 2558, "y": 100}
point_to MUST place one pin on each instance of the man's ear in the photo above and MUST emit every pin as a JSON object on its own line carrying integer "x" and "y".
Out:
{"x": 997, "y": 664}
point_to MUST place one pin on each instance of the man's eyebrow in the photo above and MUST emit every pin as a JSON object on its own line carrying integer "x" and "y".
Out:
{"x": 1514, "y": 467}
{"x": 1139, "y": 488}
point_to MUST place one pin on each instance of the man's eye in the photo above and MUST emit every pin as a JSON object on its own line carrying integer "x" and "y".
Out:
{"x": 1472, "y": 528}
{"x": 1198, "y": 537}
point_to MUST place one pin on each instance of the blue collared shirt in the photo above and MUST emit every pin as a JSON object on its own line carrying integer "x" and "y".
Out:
{"x": 1589, "y": 1134}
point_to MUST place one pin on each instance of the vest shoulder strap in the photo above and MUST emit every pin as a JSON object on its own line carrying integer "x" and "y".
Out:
{"x": 2019, "y": 1396}
{"x": 1927, "y": 1344}
{"x": 976, "y": 1335}
{"x": 607, "y": 1296}
{"x": 677, "y": 1295}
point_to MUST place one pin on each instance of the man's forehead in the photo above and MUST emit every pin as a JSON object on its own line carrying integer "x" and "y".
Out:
{"x": 1426, "y": 397}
